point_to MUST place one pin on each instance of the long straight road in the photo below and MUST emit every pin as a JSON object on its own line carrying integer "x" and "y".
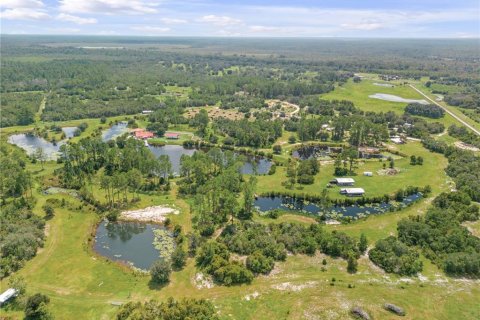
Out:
{"x": 447, "y": 111}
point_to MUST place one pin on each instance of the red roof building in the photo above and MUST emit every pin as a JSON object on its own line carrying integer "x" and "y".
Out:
{"x": 172, "y": 135}
{"x": 143, "y": 134}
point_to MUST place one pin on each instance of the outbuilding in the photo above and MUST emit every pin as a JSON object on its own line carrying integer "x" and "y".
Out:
{"x": 344, "y": 181}
{"x": 368, "y": 174}
{"x": 353, "y": 192}
{"x": 7, "y": 295}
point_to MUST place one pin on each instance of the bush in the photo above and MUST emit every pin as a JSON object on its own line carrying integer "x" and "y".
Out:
{"x": 49, "y": 211}
{"x": 233, "y": 273}
{"x": 36, "y": 307}
{"x": 160, "y": 271}
{"x": 277, "y": 149}
{"x": 179, "y": 258}
{"x": 258, "y": 263}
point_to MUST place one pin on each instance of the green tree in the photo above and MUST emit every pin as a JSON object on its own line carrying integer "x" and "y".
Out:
{"x": 160, "y": 271}
{"x": 36, "y": 307}
{"x": 363, "y": 244}
{"x": 352, "y": 264}
{"x": 179, "y": 258}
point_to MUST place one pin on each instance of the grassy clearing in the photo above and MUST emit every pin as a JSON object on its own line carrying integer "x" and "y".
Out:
{"x": 215, "y": 112}
{"x": 430, "y": 173}
{"x": 358, "y": 93}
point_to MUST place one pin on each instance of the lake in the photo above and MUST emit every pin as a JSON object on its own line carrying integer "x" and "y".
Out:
{"x": 285, "y": 203}
{"x": 31, "y": 143}
{"x": 128, "y": 242}
{"x": 175, "y": 152}
{"x": 115, "y": 131}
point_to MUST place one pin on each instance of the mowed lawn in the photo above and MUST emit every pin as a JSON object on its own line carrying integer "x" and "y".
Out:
{"x": 430, "y": 173}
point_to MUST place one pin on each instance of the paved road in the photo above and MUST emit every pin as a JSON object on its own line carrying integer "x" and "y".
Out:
{"x": 447, "y": 111}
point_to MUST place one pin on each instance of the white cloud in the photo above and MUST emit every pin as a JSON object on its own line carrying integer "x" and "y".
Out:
{"x": 261, "y": 29}
{"x": 108, "y": 7}
{"x": 222, "y": 21}
{"x": 362, "y": 26}
{"x": 150, "y": 29}
{"x": 24, "y": 14}
{"x": 173, "y": 21}
{"x": 75, "y": 19}
{"x": 16, "y": 4}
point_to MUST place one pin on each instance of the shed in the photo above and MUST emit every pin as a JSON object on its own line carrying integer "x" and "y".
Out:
{"x": 344, "y": 181}
{"x": 368, "y": 174}
{"x": 7, "y": 295}
{"x": 353, "y": 192}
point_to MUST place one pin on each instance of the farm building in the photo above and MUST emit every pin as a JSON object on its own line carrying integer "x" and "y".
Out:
{"x": 7, "y": 295}
{"x": 353, "y": 192}
{"x": 147, "y": 111}
{"x": 369, "y": 153}
{"x": 142, "y": 134}
{"x": 343, "y": 181}
{"x": 368, "y": 174}
{"x": 172, "y": 135}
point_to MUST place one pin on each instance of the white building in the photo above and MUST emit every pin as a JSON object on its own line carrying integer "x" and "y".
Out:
{"x": 368, "y": 174}
{"x": 353, "y": 192}
{"x": 7, "y": 295}
{"x": 344, "y": 181}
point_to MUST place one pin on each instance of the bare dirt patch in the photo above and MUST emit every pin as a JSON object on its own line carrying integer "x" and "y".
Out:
{"x": 149, "y": 214}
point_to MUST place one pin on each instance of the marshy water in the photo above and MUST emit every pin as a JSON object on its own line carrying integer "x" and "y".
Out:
{"x": 115, "y": 131}
{"x": 69, "y": 131}
{"x": 30, "y": 143}
{"x": 285, "y": 203}
{"x": 394, "y": 98}
{"x": 133, "y": 243}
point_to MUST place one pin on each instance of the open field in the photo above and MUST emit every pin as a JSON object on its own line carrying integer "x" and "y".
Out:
{"x": 215, "y": 112}
{"x": 430, "y": 173}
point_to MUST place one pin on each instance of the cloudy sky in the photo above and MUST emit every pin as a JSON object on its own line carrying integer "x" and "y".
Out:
{"x": 260, "y": 18}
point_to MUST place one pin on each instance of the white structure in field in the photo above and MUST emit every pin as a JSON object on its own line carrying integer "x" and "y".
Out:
{"x": 7, "y": 295}
{"x": 344, "y": 181}
{"x": 368, "y": 174}
{"x": 353, "y": 192}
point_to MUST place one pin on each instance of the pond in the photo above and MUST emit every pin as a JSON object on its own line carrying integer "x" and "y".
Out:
{"x": 394, "y": 98}
{"x": 31, "y": 143}
{"x": 115, "y": 131}
{"x": 175, "y": 152}
{"x": 69, "y": 131}
{"x": 128, "y": 242}
{"x": 285, "y": 203}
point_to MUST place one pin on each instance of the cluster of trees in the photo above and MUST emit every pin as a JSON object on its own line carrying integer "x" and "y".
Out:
{"x": 441, "y": 236}
{"x": 394, "y": 256}
{"x": 416, "y": 160}
{"x": 168, "y": 310}
{"x": 257, "y": 134}
{"x": 429, "y": 110}
{"x": 302, "y": 171}
{"x": 19, "y": 108}
{"x": 21, "y": 234}
{"x": 15, "y": 181}
{"x": 464, "y": 134}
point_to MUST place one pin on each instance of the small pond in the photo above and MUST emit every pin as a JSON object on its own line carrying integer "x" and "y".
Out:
{"x": 394, "y": 98}
{"x": 31, "y": 143}
{"x": 175, "y": 152}
{"x": 295, "y": 204}
{"x": 69, "y": 131}
{"x": 128, "y": 242}
{"x": 115, "y": 131}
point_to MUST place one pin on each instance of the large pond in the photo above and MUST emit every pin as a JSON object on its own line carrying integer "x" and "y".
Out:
{"x": 128, "y": 242}
{"x": 31, "y": 143}
{"x": 285, "y": 203}
{"x": 175, "y": 152}
{"x": 394, "y": 98}
{"x": 115, "y": 131}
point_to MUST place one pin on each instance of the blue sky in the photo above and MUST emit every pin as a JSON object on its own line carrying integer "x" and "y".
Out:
{"x": 235, "y": 18}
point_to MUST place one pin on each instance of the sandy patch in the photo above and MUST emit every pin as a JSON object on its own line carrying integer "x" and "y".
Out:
{"x": 202, "y": 281}
{"x": 465, "y": 146}
{"x": 288, "y": 286}
{"x": 149, "y": 214}
{"x": 250, "y": 296}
